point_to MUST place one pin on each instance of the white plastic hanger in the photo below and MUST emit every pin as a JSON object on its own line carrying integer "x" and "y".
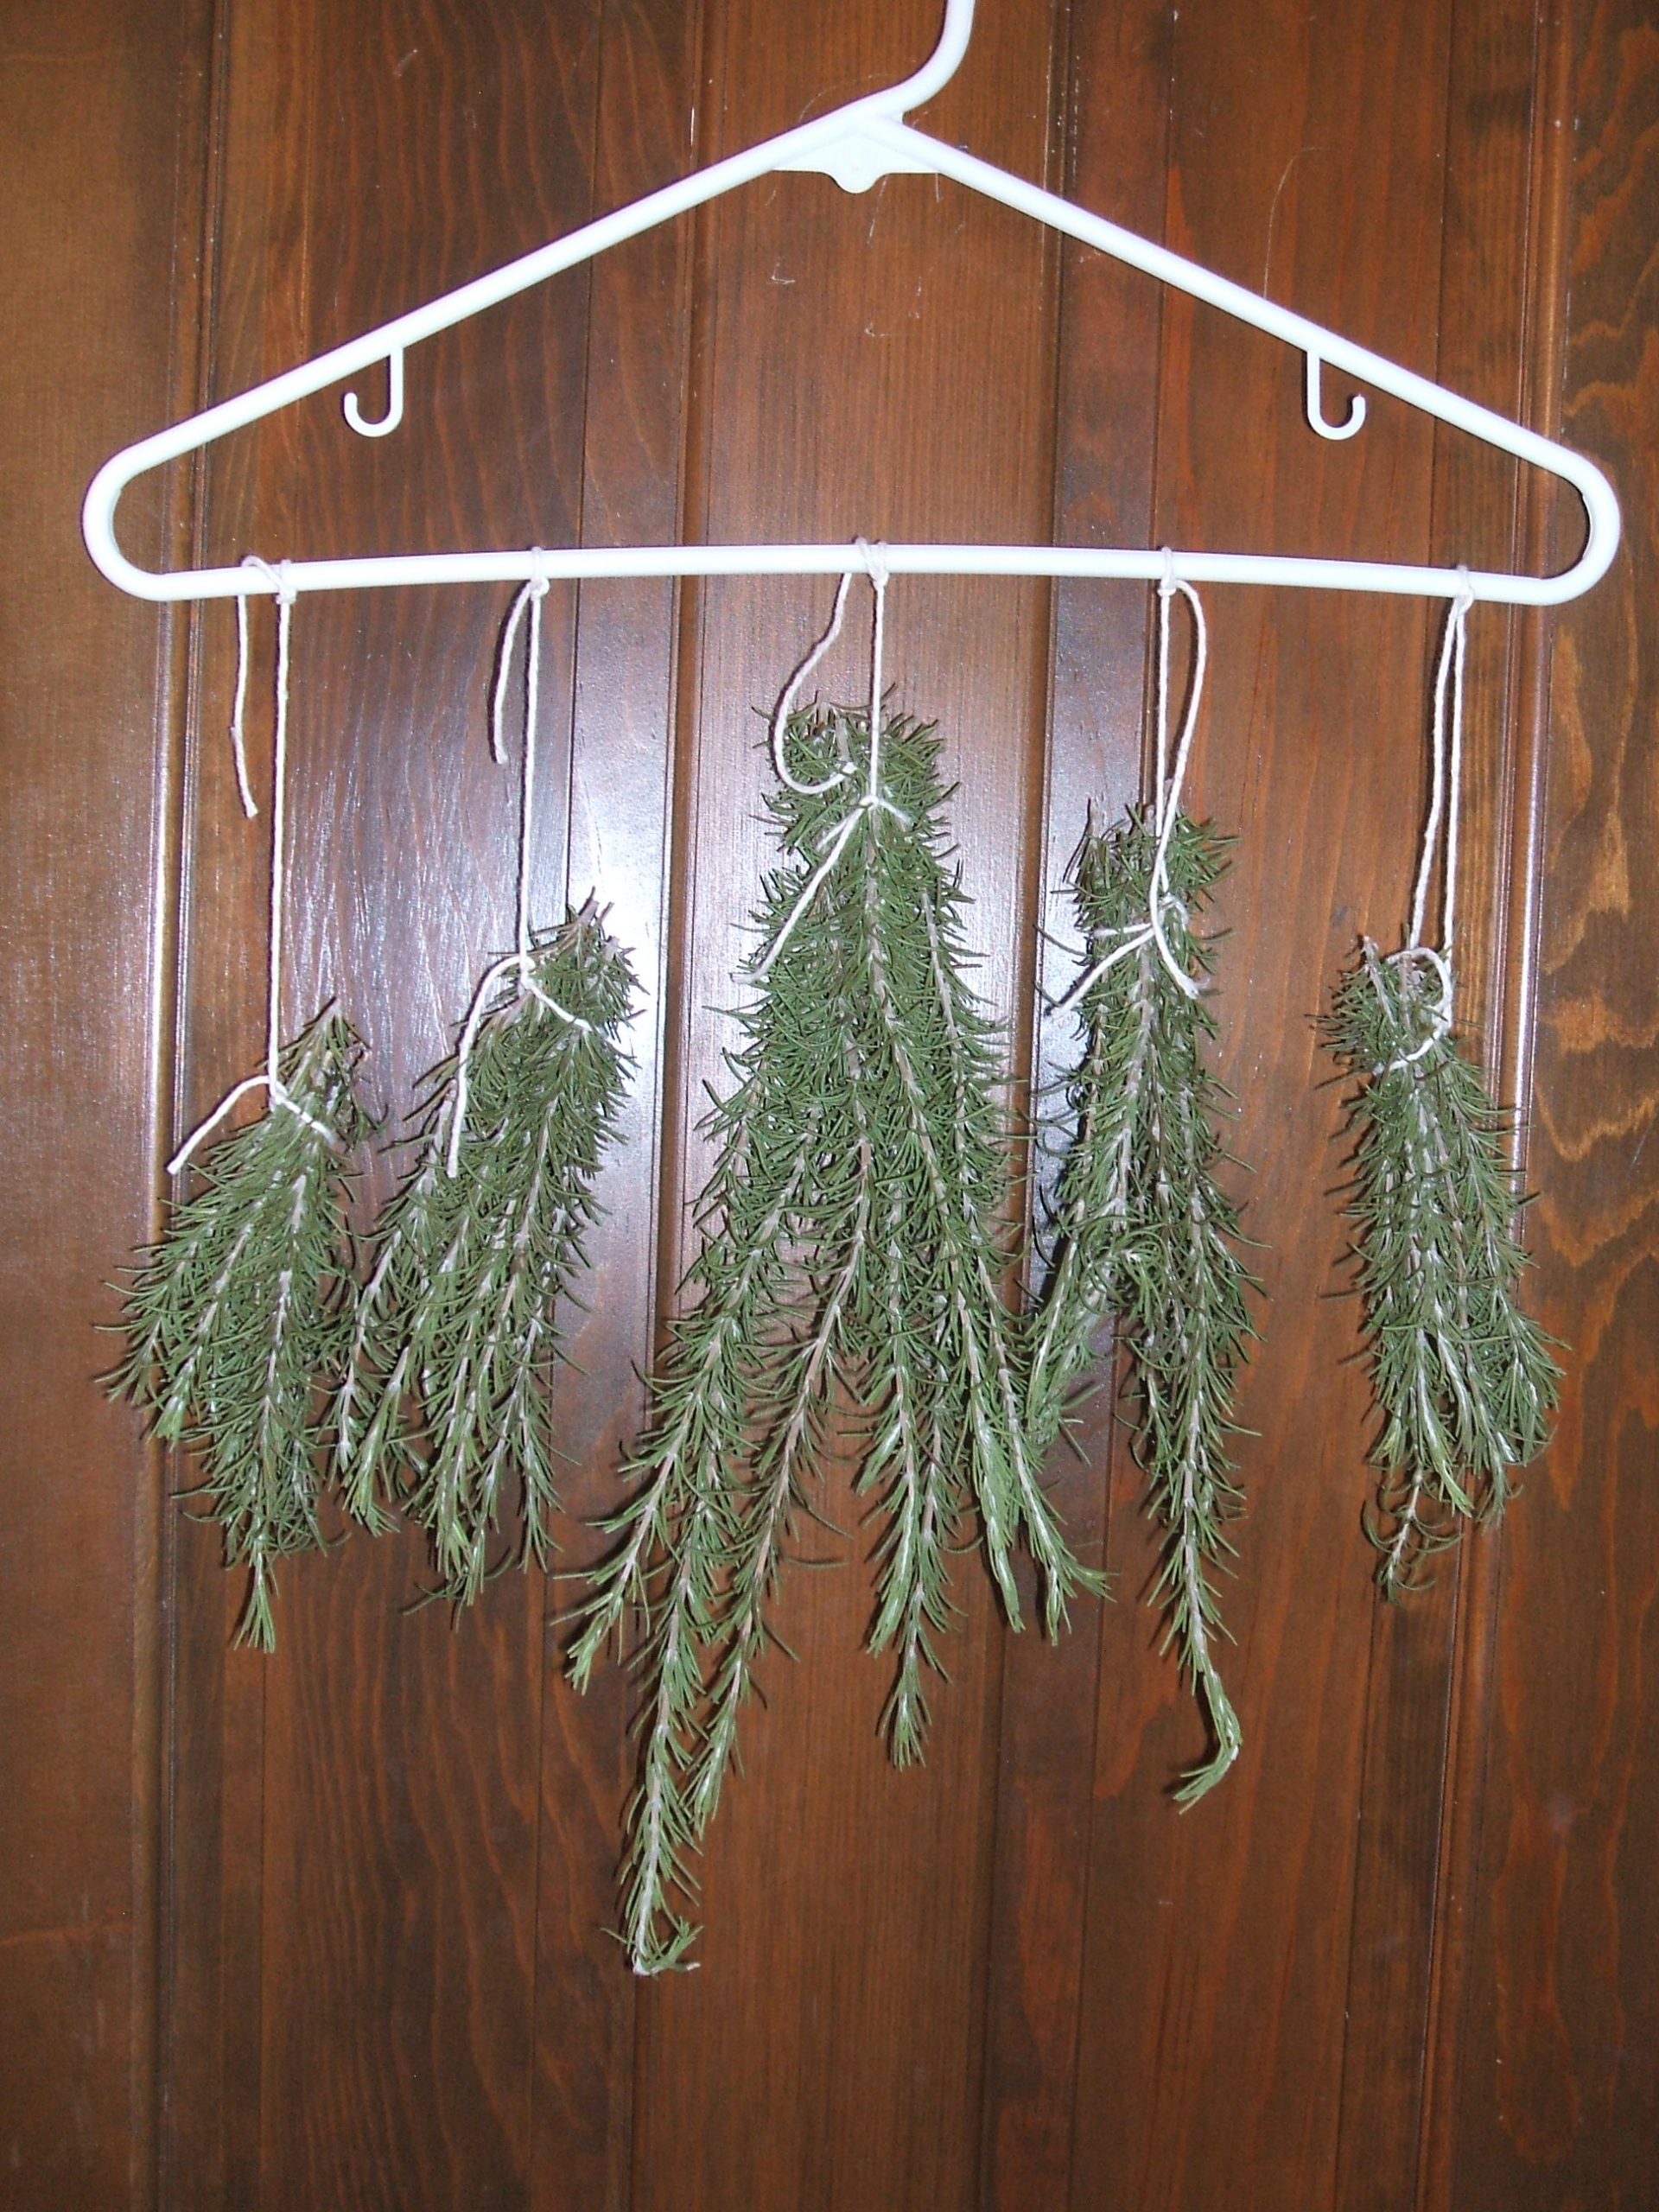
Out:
{"x": 857, "y": 145}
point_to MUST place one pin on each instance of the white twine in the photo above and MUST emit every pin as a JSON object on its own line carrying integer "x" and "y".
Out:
{"x": 238, "y": 743}
{"x": 1446, "y": 794}
{"x": 270, "y": 1080}
{"x": 1168, "y": 800}
{"x": 873, "y": 559}
{"x": 520, "y": 961}
{"x": 1165, "y": 802}
{"x": 792, "y": 690}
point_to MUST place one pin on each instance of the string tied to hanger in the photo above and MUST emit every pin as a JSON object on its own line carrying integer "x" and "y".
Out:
{"x": 520, "y": 962}
{"x": 270, "y": 1079}
{"x": 1162, "y": 902}
{"x": 873, "y": 560}
{"x": 1445, "y": 806}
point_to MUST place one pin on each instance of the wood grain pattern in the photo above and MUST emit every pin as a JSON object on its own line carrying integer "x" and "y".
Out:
{"x": 100, "y": 166}
{"x": 1558, "y": 2086}
{"x": 1425, "y": 1686}
{"x": 1406, "y": 1956}
{"x": 1115, "y": 110}
{"x": 896, "y": 350}
{"x": 1216, "y": 2084}
{"x": 622, "y": 760}
{"x": 413, "y": 1744}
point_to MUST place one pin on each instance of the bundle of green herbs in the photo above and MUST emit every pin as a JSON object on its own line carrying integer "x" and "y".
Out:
{"x": 239, "y": 1317}
{"x": 853, "y": 1246}
{"x": 1142, "y": 1235}
{"x": 443, "y": 1406}
{"x": 1465, "y": 1382}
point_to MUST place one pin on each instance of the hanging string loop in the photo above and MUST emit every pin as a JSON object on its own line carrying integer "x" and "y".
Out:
{"x": 1445, "y": 807}
{"x": 1167, "y": 783}
{"x": 238, "y": 705}
{"x": 280, "y": 579}
{"x": 874, "y": 558}
{"x": 1167, "y": 804}
{"x": 520, "y": 962}
{"x": 873, "y": 562}
{"x": 791, "y": 692}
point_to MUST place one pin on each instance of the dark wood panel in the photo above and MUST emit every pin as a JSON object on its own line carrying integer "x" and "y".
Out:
{"x": 1114, "y": 113}
{"x": 1558, "y": 2098}
{"x": 392, "y": 1964}
{"x": 1018, "y": 1976}
{"x": 1217, "y": 1958}
{"x": 621, "y": 781}
{"x": 399, "y": 1964}
{"x": 879, "y": 365}
{"x": 1404, "y": 1989}
{"x": 101, "y": 172}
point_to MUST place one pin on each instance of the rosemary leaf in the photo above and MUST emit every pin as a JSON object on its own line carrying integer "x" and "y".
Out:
{"x": 444, "y": 1403}
{"x": 1141, "y": 1232}
{"x": 1465, "y": 1382}
{"x": 855, "y": 1248}
{"x": 239, "y": 1315}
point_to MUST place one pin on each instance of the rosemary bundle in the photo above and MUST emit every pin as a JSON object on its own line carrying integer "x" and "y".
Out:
{"x": 1465, "y": 1381}
{"x": 853, "y": 1234}
{"x": 1141, "y": 1231}
{"x": 443, "y": 1406}
{"x": 239, "y": 1317}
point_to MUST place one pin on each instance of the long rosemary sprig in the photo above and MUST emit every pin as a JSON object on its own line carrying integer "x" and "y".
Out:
{"x": 238, "y": 1319}
{"x": 1465, "y": 1381}
{"x": 444, "y": 1403}
{"x": 684, "y": 1525}
{"x": 1143, "y": 1233}
{"x": 854, "y": 1236}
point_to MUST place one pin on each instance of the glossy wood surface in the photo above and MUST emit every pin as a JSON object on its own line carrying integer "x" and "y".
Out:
{"x": 339, "y": 1916}
{"x": 102, "y": 133}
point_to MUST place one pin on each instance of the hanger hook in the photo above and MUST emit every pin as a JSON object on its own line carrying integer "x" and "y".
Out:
{"x": 394, "y": 414}
{"x": 937, "y": 70}
{"x": 1316, "y": 417}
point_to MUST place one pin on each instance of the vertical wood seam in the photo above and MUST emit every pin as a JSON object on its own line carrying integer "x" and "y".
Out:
{"x": 1343, "y": 2105}
{"x": 190, "y": 382}
{"x": 1025, "y": 1129}
{"x": 1510, "y": 1043}
{"x": 173, "y": 670}
{"x": 1117, "y": 1451}
{"x": 673, "y": 1118}
{"x": 546, "y": 1612}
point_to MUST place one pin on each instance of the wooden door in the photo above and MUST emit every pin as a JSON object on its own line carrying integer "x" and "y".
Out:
{"x": 328, "y": 1930}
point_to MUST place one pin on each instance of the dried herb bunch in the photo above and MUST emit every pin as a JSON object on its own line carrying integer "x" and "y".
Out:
{"x": 1465, "y": 1382}
{"x": 239, "y": 1318}
{"x": 1141, "y": 1232}
{"x": 853, "y": 1234}
{"x": 443, "y": 1407}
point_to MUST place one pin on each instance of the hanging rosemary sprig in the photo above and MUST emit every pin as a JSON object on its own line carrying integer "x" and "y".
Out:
{"x": 444, "y": 1403}
{"x": 1143, "y": 1232}
{"x": 239, "y": 1317}
{"x": 852, "y": 1234}
{"x": 1465, "y": 1381}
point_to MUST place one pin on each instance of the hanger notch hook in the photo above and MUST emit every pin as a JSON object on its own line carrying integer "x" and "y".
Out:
{"x": 1317, "y": 419}
{"x": 394, "y": 414}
